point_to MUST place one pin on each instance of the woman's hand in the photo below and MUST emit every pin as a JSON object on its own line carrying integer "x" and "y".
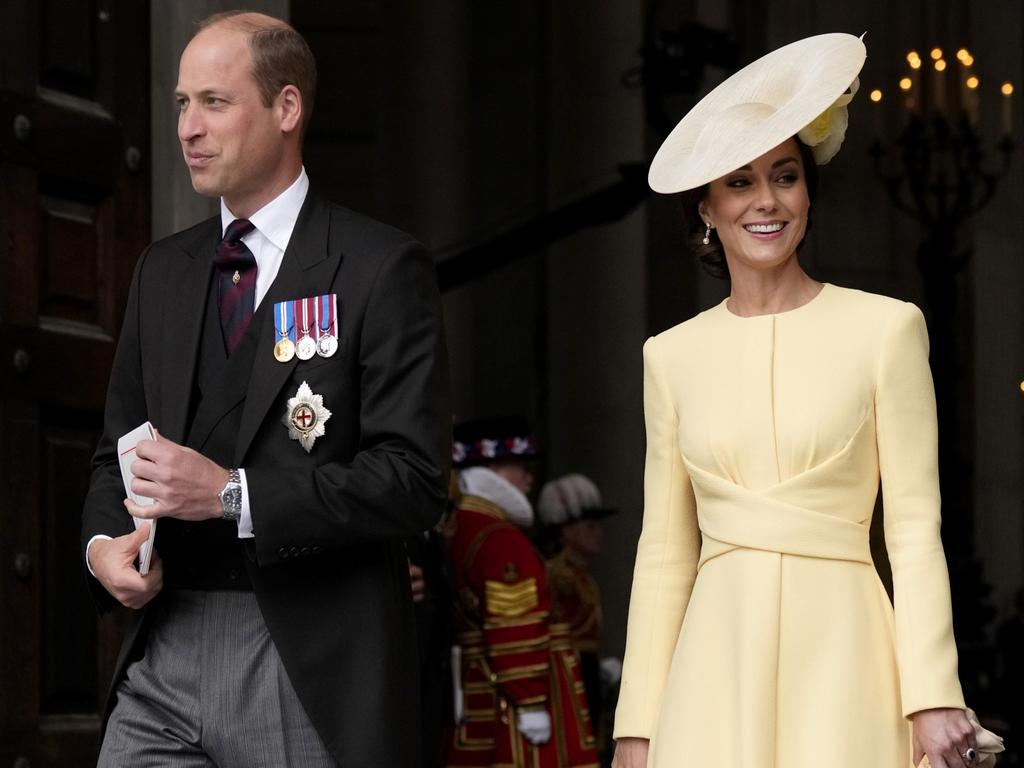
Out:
{"x": 944, "y": 735}
{"x": 631, "y": 752}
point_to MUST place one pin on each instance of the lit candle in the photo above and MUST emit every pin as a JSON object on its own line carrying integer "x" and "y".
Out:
{"x": 971, "y": 99}
{"x": 916, "y": 97}
{"x": 876, "y": 113}
{"x": 940, "y": 85}
{"x": 1007, "y": 91}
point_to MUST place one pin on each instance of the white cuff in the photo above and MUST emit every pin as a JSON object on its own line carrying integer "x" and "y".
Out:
{"x": 245, "y": 519}
{"x": 87, "y": 563}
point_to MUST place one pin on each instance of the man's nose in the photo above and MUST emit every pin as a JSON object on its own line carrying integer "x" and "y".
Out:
{"x": 189, "y": 123}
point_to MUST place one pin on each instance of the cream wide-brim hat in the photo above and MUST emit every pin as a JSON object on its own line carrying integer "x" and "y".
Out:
{"x": 756, "y": 109}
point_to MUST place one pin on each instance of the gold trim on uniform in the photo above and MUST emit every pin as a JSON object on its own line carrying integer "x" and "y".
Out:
{"x": 521, "y": 673}
{"x": 495, "y": 622}
{"x": 511, "y": 599}
{"x": 518, "y": 646}
{"x": 481, "y": 505}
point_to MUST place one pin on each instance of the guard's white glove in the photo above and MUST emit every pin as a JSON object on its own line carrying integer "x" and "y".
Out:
{"x": 535, "y": 725}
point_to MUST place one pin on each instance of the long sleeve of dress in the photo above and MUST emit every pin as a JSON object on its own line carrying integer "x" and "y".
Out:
{"x": 666, "y": 560}
{"x": 908, "y": 462}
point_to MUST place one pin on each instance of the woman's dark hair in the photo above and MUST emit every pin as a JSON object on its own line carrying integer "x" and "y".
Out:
{"x": 712, "y": 255}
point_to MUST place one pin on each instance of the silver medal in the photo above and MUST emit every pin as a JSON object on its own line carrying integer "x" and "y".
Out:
{"x": 326, "y": 345}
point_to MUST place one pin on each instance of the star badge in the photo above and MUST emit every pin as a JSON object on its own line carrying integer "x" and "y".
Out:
{"x": 305, "y": 417}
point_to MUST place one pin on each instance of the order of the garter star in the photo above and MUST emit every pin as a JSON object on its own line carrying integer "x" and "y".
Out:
{"x": 305, "y": 417}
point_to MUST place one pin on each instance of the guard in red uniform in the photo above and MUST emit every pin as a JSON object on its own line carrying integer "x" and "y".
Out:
{"x": 519, "y": 698}
{"x": 572, "y": 504}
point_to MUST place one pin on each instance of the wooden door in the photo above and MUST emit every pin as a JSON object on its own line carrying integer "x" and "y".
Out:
{"x": 74, "y": 217}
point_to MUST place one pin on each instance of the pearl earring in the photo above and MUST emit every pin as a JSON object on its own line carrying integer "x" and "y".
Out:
{"x": 707, "y": 234}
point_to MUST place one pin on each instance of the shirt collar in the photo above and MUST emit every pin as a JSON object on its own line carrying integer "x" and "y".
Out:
{"x": 275, "y": 220}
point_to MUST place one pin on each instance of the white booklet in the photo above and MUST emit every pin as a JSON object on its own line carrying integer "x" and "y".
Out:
{"x": 126, "y": 455}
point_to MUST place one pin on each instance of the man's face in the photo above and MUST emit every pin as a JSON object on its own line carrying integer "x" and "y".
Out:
{"x": 517, "y": 472}
{"x": 232, "y": 143}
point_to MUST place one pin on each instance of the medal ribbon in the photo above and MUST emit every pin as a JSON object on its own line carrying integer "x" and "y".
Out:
{"x": 328, "y": 302}
{"x": 284, "y": 323}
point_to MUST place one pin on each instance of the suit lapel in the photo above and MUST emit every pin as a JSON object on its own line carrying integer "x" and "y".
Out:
{"x": 308, "y": 269}
{"x": 183, "y": 317}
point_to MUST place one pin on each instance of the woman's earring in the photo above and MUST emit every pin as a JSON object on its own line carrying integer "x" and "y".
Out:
{"x": 707, "y": 234}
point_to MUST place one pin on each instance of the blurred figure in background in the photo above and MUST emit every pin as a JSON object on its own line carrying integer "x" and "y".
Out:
{"x": 572, "y": 506}
{"x": 519, "y": 700}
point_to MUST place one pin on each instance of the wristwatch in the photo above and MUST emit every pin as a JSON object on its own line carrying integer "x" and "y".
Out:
{"x": 231, "y": 496}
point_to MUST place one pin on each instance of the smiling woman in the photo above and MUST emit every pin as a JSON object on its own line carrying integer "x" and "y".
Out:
{"x": 759, "y": 632}
{"x": 711, "y": 254}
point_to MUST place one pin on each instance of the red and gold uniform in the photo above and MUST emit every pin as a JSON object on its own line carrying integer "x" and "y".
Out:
{"x": 576, "y": 603}
{"x": 512, "y": 659}
{"x": 576, "y": 600}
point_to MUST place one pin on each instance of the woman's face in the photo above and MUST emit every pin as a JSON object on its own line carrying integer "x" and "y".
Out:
{"x": 760, "y": 210}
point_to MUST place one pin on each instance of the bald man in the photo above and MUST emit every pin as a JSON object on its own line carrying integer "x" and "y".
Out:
{"x": 289, "y": 353}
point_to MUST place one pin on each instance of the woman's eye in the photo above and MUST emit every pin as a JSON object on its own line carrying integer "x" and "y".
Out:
{"x": 737, "y": 183}
{"x": 787, "y": 178}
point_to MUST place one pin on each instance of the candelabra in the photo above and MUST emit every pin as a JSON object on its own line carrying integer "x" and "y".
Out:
{"x": 941, "y": 170}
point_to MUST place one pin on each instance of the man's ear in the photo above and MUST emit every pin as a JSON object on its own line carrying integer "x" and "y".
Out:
{"x": 289, "y": 107}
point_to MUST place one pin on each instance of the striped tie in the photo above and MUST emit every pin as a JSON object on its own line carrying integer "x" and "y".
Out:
{"x": 236, "y": 285}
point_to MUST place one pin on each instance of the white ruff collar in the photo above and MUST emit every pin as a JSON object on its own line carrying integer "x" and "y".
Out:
{"x": 487, "y": 484}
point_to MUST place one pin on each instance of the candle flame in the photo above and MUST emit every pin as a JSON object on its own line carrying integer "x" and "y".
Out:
{"x": 972, "y": 82}
{"x": 936, "y": 53}
{"x": 1007, "y": 89}
{"x": 940, "y": 65}
{"x": 876, "y": 95}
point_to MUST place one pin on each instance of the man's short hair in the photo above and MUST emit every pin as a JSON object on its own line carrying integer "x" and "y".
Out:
{"x": 280, "y": 56}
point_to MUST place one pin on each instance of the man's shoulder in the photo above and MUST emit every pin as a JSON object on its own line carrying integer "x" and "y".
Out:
{"x": 356, "y": 232}
{"x": 203, "y": 230}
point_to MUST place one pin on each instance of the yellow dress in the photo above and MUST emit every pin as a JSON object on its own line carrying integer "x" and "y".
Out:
{"x": 759, "y": 633}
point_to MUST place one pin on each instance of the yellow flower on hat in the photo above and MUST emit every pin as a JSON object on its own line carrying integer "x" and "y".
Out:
{"x": 825, "y": 133}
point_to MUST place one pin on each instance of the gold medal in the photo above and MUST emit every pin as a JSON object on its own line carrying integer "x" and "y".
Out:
{"x": 284, "y": 350}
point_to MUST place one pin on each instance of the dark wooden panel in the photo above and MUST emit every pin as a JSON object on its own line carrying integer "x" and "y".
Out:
{"x": 19, "y": 566}
{"x": 68, "y": 653}
{"x": 68, "y": 279}
{"x": 67, "y": 51}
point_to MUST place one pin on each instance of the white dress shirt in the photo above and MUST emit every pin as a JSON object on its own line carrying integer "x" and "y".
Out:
{"x": 273, "y": 224}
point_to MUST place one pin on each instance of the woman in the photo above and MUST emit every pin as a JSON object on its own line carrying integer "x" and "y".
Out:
{"x": 759, "y": 633}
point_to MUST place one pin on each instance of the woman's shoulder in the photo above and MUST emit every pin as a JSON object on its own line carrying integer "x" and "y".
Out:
{"x": 868, "y": 311}
{"x": 694, "y": 330}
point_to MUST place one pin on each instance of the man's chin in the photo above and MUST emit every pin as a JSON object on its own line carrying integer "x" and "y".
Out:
{"x": 203, "y": 184}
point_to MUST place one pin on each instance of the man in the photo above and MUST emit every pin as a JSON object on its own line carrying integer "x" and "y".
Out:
{"x": 572, "y": 505}
{"x": 520, "y": 702}
{"x": 275, "y": 626}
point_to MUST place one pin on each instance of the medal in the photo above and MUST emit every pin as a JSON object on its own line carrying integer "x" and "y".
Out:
{"x": 305, "y": 417}
{"x": 327, "y": 341}
{"x": 306, "y": 348}
{"x": 284, "y": 349}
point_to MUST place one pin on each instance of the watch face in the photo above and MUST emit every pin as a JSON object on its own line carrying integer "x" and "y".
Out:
{"x": 231, "y": 500}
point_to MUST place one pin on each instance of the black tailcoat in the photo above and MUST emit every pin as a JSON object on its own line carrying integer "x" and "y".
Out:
{"x": 327, "y": 563}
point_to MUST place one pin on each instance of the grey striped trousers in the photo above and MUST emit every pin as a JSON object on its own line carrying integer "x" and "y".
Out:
{"x": 209, "y": 691}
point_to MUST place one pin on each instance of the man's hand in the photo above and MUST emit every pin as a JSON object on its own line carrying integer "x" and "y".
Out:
{"x": 113, "y": 562}
{"x": 182, "y": 483}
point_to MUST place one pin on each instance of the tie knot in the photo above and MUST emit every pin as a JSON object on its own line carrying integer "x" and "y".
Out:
{"x": 238, "y": 229}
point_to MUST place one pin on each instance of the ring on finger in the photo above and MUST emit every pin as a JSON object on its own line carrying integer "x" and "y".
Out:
{"x": 969, "y": 755}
